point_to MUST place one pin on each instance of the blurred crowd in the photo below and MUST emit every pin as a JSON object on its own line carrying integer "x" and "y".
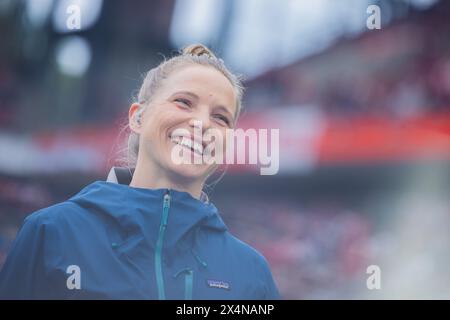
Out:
{"x": 401, "y": 71}
{"x": 314, "y": 251}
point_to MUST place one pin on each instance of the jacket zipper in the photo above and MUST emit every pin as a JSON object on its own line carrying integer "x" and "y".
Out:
{"x": 159, "y": 246}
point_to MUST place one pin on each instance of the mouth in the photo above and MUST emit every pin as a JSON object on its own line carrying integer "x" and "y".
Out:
{"x": 188, "y": 143}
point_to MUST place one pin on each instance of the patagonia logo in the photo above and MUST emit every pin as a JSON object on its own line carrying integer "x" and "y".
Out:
{"x": 218, "y": 284}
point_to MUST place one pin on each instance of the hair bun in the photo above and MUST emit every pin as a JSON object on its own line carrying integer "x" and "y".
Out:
{"x": 198, "y": 50}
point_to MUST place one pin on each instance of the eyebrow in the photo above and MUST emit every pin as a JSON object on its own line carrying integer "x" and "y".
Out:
{"x": 193, "y": 95}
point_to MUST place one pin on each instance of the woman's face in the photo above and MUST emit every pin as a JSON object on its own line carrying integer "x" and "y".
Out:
{"x": 190, "y": 96}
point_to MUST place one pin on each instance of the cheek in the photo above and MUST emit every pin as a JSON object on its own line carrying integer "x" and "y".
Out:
{"x": 218, "y": 138}
{"x": 224, "y": 139}
{"x": 149, "y": 132}
{"x": 156, "y": 127}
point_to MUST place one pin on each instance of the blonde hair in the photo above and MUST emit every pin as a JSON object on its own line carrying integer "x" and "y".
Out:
{"x": 190, "y": 55}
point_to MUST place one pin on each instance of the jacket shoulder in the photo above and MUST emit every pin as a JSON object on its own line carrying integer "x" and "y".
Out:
{"x": 246, "y": 250}
{"x": 260, "y": 266}
{"x": 54, "y": 214}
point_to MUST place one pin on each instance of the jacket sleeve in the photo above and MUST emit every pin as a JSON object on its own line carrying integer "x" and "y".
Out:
{"x": 271, "y": 290}
{"x": 22, "y": 275}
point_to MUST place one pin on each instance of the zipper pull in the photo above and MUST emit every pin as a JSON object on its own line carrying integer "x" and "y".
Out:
{"x": 188, "y": 281}
{"x": 166, "y": 207}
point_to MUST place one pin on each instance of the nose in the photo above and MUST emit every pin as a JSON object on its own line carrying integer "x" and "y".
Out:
{"x": 200, "y": 120}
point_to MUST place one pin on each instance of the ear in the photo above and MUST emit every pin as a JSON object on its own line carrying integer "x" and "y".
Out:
{"x": 135, "y": 117}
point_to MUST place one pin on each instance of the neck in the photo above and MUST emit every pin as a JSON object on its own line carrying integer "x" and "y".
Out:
{"x": 153, "y": 178}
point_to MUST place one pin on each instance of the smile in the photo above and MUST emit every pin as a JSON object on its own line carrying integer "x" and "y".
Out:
{"x": 188, "y": 143}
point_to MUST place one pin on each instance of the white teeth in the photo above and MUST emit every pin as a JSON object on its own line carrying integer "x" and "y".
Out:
{"x": 187, "y": 142}
{"x": 175, "y": 139}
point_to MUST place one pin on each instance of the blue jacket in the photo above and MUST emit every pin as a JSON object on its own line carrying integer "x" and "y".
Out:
{"x": 112, "y": 241}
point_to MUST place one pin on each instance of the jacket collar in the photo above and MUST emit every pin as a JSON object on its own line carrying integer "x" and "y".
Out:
{"x": 123, "y": 175}
{"x": 138, "y": 211}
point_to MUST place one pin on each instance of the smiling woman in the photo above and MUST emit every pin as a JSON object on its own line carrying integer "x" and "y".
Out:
{"x": 155, "y": 235}
{"x": 191, "y": 95}
{"x": 192, "y": 89}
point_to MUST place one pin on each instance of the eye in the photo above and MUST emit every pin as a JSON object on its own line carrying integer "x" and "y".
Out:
{"x": 223, "y": 119}
{"x": 184, "y": 102}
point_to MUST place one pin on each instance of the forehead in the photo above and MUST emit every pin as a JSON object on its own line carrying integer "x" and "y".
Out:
{"x": 206, "y": 82}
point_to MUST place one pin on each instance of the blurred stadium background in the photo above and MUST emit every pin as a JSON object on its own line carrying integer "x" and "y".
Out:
{"x": 364, "y": 118}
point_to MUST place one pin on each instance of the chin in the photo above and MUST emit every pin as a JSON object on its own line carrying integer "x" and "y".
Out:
{"x": 189, "y": 171}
